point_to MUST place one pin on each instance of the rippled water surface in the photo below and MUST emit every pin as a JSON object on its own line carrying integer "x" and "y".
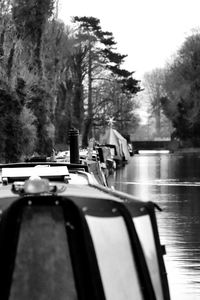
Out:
{"x": 173, "y": 182}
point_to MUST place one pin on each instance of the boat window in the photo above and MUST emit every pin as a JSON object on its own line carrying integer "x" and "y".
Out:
{"x": 42, "y": 266}
{"x": 145, "y": 233}
{"x": 114, "y": 255}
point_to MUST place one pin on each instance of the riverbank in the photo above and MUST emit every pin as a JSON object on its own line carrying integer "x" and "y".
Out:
{"x": 187, "y": 150}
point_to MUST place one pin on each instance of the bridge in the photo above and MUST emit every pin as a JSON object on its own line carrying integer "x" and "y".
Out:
{"x": 152, "y": 145}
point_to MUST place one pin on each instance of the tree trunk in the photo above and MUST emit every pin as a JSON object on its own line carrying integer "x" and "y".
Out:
{"x": 86, "y": 132}
{"x": 2, "y": 43}
{"x": 90, "y": 104}
{"x": 37, "y": 55}
{"x": 10, "y": 60}
{"x": 78, "y": 108}
{"x": 158, "y": 123}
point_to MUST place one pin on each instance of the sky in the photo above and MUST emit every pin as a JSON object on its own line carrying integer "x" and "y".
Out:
{"x": 149, "y": 32}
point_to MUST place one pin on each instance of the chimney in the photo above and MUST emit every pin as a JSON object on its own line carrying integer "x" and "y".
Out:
{"x": 74, "y": 145}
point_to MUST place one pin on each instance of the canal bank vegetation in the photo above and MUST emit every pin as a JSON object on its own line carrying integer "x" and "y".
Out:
{"x": 174, "y": 91}
{"x": 54, "y": 77}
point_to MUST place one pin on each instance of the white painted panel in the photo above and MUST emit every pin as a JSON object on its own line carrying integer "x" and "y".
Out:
{"x": 115, "y": 259}
{"x": 145, "y": 233}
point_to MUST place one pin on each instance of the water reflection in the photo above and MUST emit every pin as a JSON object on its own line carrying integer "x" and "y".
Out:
{"x": 173, "y": 182}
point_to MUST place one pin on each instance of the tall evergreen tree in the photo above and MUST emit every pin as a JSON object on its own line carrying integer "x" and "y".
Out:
{"x": 101, "y": 55}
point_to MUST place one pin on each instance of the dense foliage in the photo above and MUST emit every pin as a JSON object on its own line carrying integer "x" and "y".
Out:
{"x": 11, "y": 131}
{"x": 179, "y": 91}
{"x": 53, "y": 78}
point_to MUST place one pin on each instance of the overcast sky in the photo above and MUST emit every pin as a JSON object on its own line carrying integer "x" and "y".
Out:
{"x": 148, "y": 31}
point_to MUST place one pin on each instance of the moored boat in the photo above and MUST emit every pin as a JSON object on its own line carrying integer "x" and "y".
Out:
{"x": 118, "y": 145}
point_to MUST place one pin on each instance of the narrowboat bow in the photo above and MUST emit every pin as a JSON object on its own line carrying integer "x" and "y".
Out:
{"x": 64, "y": 236}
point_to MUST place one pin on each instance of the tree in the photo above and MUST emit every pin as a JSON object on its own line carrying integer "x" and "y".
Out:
{"x": 38, "y": 102}
{"x": 30, "y": 17}
{"x": 100, "y": 56}
{"x": 29, "y": 132}
{"x": 11, "y": 132}
{"x": 182, "y": 85}
{"x": 59, "y": 74}
{"x": 153, "y": 83}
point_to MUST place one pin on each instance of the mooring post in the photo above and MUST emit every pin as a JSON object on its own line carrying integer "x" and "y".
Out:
{"x": 74, "y": 145}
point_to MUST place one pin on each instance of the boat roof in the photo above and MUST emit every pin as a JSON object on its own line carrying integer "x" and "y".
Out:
{"x": 70, "y": 180}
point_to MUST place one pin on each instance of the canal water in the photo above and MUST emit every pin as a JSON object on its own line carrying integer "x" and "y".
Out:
{"x": 173, "y": 182}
